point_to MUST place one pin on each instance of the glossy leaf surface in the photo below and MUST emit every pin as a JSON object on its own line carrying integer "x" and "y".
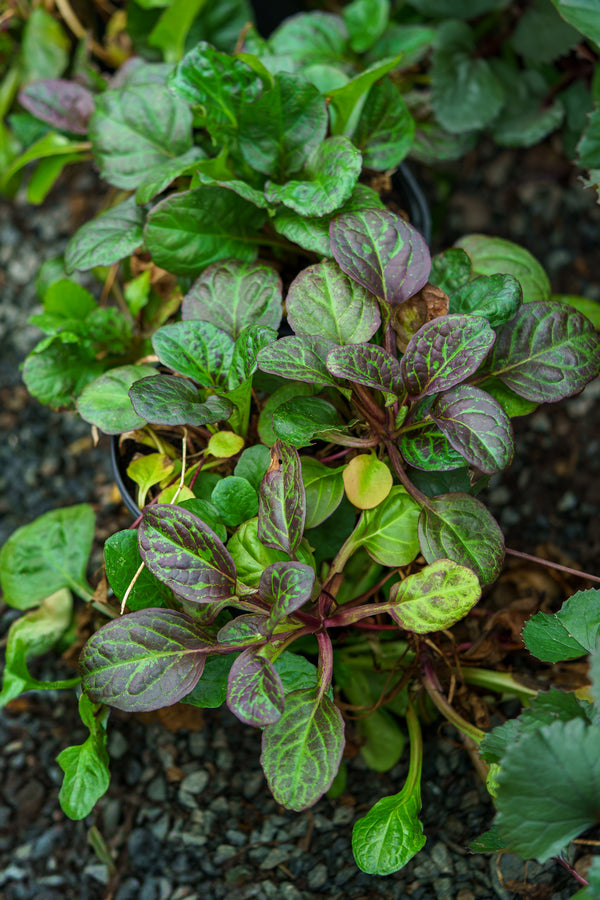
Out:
{"x": 367, "y": 481}
{"x": 366, "y": 364}
{"x": 168, "y": 400}
{"x": 106, "y": 239}
{"x": 282, "y": 501}
{"x": 85, "y": 766}
{"x": 252, "y": 557}
{"x": 324, "y": 488}
{"x": 389, "y": 531}
{"x": 105, "y": 402}
{"x": 450, "y": 270}
{"x": 122, "y": 560}
{"x": 496, "y": 297}
{"x": 386, "y": 129}
{"x": 254, "y": 690}
{"x": 490, "y": 255}
{"x": 390, "y": 834}
{"x": 301, "y": 419}
{"x": 435, "y": 598}
{"x": 286, "y": 586}
{"x": 199, "y": 350}
{"x": 476, "y": 426}
{"x": 298, "y": 357}
{"x": 235, "y": 499}
{"x": 568, "y": 634}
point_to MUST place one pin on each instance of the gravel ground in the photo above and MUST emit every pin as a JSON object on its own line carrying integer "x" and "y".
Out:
{"x": 188, "y": 814}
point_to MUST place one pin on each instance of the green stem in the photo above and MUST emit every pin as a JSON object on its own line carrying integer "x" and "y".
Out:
{"x": 501, "y": 682}
{"x": 413, "y": 779}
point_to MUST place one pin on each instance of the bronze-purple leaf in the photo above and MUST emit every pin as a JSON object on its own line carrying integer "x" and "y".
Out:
{"x": 143, "y": 661}
{"x": 382, "y": 252}
{"x": 62, "y": 104}
{"x": 255, "y": 690}
{"x": 286, "y": 586}
{"x": 282, "y": 501}
{"x": 366, "y": 364}
{"x": 186, "y": 554}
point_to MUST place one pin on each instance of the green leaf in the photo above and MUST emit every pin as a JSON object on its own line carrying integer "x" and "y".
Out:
{"x": 568, "y": 634}
{"x": 49, "y": 146}
{"x": 490, "y": 255}
{"x": 295, "y": 671}
{"x": 225, "y": 444}
{"x": 347, "y": 101}
{"x": 324, "y": 488}
{"x": 33, "y": 635}
{"x": 313, "y": 38}
{"x": 198, "y": 350}
{"x": 46, "y": 555}
{"x": 45, "y": 48}
{"x": 435, "y": 598}
{"x": 450, "y": 270}
{"x": 106, "y": 239}
{"x": 282, "y": 501}
{"x": 280, "y": 129}
{"x": 412, "y": 41}
{"x": 301, "y": 753}
{"x": 56, "y": 373}
{"x": 205, "y": 511}
{"x": 389, "y": 531}
{"x": 45, "y": 175}
{"x": 122, "y": 560}
{"x": 105, "y": 402}
{"x": 390, "y": 834}
{"x": 278, "y": 398}
{"x": 134, "y": 131}
{"x": 303, "y": 419}
{"x": 382, "y": 741}
{"x": 427, "y": 448}
{"x": 588, "y": 308}
{"x": 366, "y": 21}
{"x": 322, "y": 301}
{"x": 160, "y": 177}
{"x": 582, "y": 15}
{"x": 146, "y": 471}
{"x": 252, "y": 557}
{"x": 211, "y": 690}
{"x": 253, "y": 463}
{"x": 235, "y": 499}
{"x": 170, "y": 32}
{"x": 169, "y": 400}
{"x": 465, "y": 92}
{"x": 254, "y": 690}
{"x": 512, "y": 404}
{"x": 468, "y": 9}
{"x": 234, "y": 295}
{"x": 529, "y": 118}
{"x": 386, "y": 129}
{"x": 533, "y": 820}
{"x": 496, "y": 297}
{"x": 367, "y": 481}
{"x": 298, "y": 357}
{"x": 286, "y": 587}
{"x": 459, "y": 527}
{"x": 186, "y": 232}
{"x": 327, "y": 181}
{"x": 85, "y": 766}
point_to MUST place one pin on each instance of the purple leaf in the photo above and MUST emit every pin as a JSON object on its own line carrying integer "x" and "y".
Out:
{"x": 547, "y": 352}
{"x": 62, "y": 104}
{"x": 282, "y": 501}
{"x": 186, "y": 554}
{"x": 143, "y": 661}
{"x": 445, "y": 352}
{"x": 286, "y": 586}
{"x": 366, "y": 364}
{"x": 243, "y": 630}
{"x": 476, "y": 426}
{"x": 254, "y": 690}
{"x": 382, "y": 252}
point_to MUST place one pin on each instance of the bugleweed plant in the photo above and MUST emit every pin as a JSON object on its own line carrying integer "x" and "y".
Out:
{"x": 318, "y": 531}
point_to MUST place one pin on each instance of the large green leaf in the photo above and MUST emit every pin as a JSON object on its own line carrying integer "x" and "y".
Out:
{"x": 568, "y": 634}
{"x": 160, "y": 177}
{"x": 301, "y": 753}
{"x": 105, "y": 402}
{"x": 56, "y": 373}
{"x": 324, "y": 488}
{"x": 252, "y": 557}
{"x": 298, "y": 357}
{"x": 310, "y": 39}
{"x": 106, "y": 239}
{"x": 196, "y": 349}
{"x": 134, "y": 130}
{"x": 390, "y": 834}
{"x": 582, "y": 15}
{"x": 169, "y": 400}
{"x": 170, "y": 32}
{"x": 490, "y": 255}
{"x": 366, "y": 21}
{"x": 347, "y": 101}
{"x": 85, "y": 766}
{"x": 435, "y": 598}
{"x": 386, "y": 129}
{"x": 389, "y": 531}
{"x": 45, "y": 48}
{"x": 48, "y": 554}
{"x": 496, "y": 297}
{"x": 188, "y": 231}
{"x": 122, "y": 560}
{"x": 529, "y": 117}
{"x": 303, "y": 419}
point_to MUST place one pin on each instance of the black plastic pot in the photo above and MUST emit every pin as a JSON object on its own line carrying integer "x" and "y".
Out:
{"x": 410, "y": 197}
{"x": 268, "y": 15}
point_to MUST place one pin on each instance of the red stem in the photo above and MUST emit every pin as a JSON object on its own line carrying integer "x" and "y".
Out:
{"x": 552, "y": 565}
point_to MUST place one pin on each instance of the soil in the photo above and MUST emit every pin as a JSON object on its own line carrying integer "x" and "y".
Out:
{"x": 188, "y": 814}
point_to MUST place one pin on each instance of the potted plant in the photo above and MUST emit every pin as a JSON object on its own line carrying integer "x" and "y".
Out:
{"x": 332, "y": 562}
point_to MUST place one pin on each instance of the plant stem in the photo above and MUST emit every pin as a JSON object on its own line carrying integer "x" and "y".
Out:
{"x": 434, "y": 689}
{"x": 552, "y": 565}
{"x": 567, "y": 865}
{"x": 396, "y": 462}
{"x": 325, "y": 669}
{"x": 415, "y": 738}
{"x": 501, "y": 682}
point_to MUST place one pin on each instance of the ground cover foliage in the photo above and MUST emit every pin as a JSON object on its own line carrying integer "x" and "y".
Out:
{"x": 307, "y": 436}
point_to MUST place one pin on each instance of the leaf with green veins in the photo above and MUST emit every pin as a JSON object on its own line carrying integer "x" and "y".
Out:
{"x": 568, "y": 634}
{"x": 33, "y": 635}
{"x": 134, "y": 131}
{"x": 243, "y": 630}
{"x": 312, "y": 232}
{"x": 187, "y": 232}
{"x": 547, "y": 352}
{"x": 382, "y": 252}
{"x": 198, "y": 350}
{"x": 168, "y": 400}
{"x": 496, "y": 297}
{"x": 390, "y": 834}
{"x": 248, "y": 345}
{"x": 233, "y": 295}
{"x": 367, "y": 481}
{"x": 303, "y": 419}
{"x": 512, "y": 404}
{"x": 282, "y": 501}
{"x": 85, "y": 766}
{"x": 466, "y": 95}
{"x": 298, "y": 357}
{"x": 235, "y": 499}
{"x": 310, "y": 39}
{"x": 106, "y": 239}
{"x": 324, "y": 488}
{"x": 459, "y": 527}
{"x": 253, "y": 463}
{"x": 476, "y": 426}
{"x": 105, "y": 402}
{"x": 276, "y": 399}
{"x": 122, "y": 560}
{"x": 301, "y": 753}
{"x": 366, "y": 364}
{"x": 45, "y": 47}
{"x": 389, "y": 531}
{"x": 347, "y": 101}
{"x": 211, "y": 690}
{"x": 450, "y": 270}
{"x": 582, "y": 15}
{"x": 445, "y": 352}
{"x": 63, "y": 104}
{"x": 218, "y": 83}
{"x": 322, "y": 301}
{"x": 185, "y": 554}
{"x": 244, "y": 190}
{"x": 251, "y": 556}
{"x": 386, "y": 129}
{"x": 328, "y": 179}
{"x": 588, "y": 308}
{"x": 49, "y": 553}
{"x": 366, "y": 21}
{"x": 537, "y": 822}
{"x": 435, "y": 598}
{"x": 49, "y": 146}
{"x": 143, "y": 661}
{"x": 57, "y": 372}
{"x": 254, "y": 690}
{"x": 281, "y": 128}
{"x": 287, "y": 587}
{"x": 205, "y": 511}
{"x": 490, "y": 255}
{"x": 147, "y": 471}
{"x": 162, "y": 176}
{"x": 428, "y": 448}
